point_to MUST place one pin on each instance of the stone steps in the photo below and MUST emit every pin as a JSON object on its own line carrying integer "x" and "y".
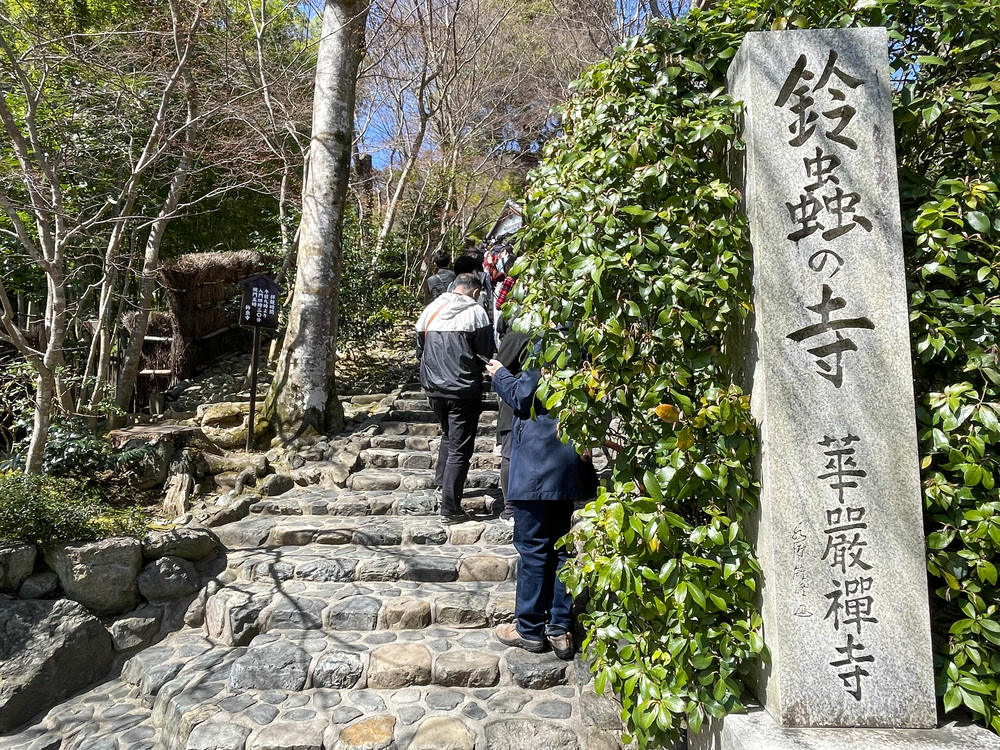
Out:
{"x": 350, "y": 618}
{"x": 244, "y": 609}
{"x": 415, "y": 479}
{"x": 425, "y": 423}
{"x": 484, "y": 444}
{"x": 324, "y": 501}
{"x": 390, "y": 458}
{"x": 345, "y": 563}
{"x": 326, "y": 691}
{"x": 362, "y": 531}
{"x": 412, "y": 402}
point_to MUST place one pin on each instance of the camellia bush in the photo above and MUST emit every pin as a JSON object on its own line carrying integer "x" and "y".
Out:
{"x": 636, "y": 241}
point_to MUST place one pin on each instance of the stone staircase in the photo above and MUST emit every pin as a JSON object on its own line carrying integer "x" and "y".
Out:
{"x": 350, "y": 619}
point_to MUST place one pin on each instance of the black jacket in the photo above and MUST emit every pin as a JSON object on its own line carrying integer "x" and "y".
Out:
{"x": 451, "y": 331}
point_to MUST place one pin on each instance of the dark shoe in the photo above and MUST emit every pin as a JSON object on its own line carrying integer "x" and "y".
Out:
{"x": 507, "y": 517}
{"x": 454, "y": 518}
{"x": 507, "y": 634}
{"x": 562, "y": 645}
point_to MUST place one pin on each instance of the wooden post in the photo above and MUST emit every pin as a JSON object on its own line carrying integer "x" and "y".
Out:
{"x": 253, "y": 386}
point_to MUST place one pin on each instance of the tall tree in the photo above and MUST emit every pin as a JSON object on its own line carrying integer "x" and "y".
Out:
{"x": 303, "y": 391}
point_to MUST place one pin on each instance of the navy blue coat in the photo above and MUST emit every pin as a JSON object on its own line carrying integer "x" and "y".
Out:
{"x": 542, "y": 467}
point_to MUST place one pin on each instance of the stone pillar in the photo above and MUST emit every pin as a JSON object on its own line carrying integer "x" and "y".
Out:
{"x": 840, "y": 538}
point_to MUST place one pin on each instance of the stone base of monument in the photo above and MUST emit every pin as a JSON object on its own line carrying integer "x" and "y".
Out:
{"x": 756, "y": 730}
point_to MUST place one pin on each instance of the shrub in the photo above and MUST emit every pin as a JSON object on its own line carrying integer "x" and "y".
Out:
{"x": 636, "y": 240}
{"x": 44, "y": 510}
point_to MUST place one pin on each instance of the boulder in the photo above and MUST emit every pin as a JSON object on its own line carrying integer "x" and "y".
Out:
{"x": 168, "y": 577}
{"x": 276, "y": 484}
{"x": 39, "y": 585}
{"x": 16, "y": 563}
{"x": 138, "y": 628}
{"x": 50, "y": 650}
{"x": 225, "y": 423}
{"x": 188, "y": 543}
{"x": 100, "y": 575}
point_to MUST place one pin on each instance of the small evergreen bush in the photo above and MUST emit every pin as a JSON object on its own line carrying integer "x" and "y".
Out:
{"x": 44, "y": 510}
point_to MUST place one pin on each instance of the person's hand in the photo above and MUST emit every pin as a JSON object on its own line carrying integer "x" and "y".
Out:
{"x": 587, "y": 455}
{"x": 492, "y": 366}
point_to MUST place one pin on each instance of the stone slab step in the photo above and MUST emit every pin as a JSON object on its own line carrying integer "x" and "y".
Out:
{"x": 327, "y": 501}
{"x": 238, "y": 612}
{"x": 411, "y": 402}
{"x": 195, "y": 710}
{"x": 292, "y": 661}
{"x": 484, "y": 443}
{"x": 345, "y": 563}
{"x": 365, "y": 531}
{"x": 391, "y": 458}
{"x": 422, "y": 417}
{"x": 487, "y": 427}
{"x": 415, "y": 479}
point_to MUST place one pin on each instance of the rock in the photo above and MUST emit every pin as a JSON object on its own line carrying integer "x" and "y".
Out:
{"x": 49, "y": 650}
{"x": 428, "y": 534}
{"x": 535, "y": 671}
{"x": 502, "y": 607}
{"x": 467, "y": 533}
{"x": 462, "y": 610}
{"x": 399, "y": 665}
{"x": 353, "y": 613}
{"x": 16, "y": 563}
{"x": 218, "y": 735}
{"x": 375, "y": 733}
{"x": 380, "y": 480}
{"x": 600, "y": 711}
{"x": 290, "y": 735}
{"x": 296, "y": 612}
{"x": 39, "y": 585}
{"x": 231, "y": 616}
{"x": 247, "y": 532}
{"x": 406, "y": 613}
{"x": 553, "y": 710}
{"x": 225, "y": 423}
{"x": 444, "y": 700}
{"x": 100, "y": 575}
{"x": 467, "y": 669}
{"x": 187, "y": 543}
{"x": 426, "y": 568}
{"x": 338, "y": 670}
{"x": 276, "y": 484}
{"x": 484, "y": 567}
{"x": 237, "y": 509}
{"x": 443, "y": 733}
{"x": 168, "y": 577}
{"x": 326, "y": 570}
{"x": 511, "y": 734}
{"x": 279, "y": 665}
{"x": 378, "y": 569}
{"x": 138, "y": 629}
{"x": 508, "y": 702}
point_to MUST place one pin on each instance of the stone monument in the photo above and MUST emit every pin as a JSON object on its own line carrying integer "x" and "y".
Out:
{"x": 840, "y": 534}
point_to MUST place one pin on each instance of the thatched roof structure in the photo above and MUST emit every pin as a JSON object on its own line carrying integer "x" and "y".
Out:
{"x": 204, "y": 292}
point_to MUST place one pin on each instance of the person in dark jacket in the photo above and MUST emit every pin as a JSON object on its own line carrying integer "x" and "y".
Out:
{"x": 440, "y": 281}
{"x": 454, "y": 337}
{"x": 546, "y": 477}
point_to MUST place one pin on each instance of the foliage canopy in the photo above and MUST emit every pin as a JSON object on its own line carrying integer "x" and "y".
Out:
{"x": 636, "y": 240}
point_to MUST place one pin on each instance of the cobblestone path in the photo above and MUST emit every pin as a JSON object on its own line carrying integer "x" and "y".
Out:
{"x": 350, "y": 619}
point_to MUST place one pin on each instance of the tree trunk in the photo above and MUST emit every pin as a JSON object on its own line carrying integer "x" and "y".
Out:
{"x": 303, "y": 395}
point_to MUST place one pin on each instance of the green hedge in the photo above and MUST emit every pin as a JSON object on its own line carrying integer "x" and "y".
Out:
{"x": 44, "y": 510}
{"x": 635, "y": 238}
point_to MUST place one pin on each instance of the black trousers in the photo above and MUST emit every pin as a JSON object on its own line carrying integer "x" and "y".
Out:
{"x": 459, "y": 420}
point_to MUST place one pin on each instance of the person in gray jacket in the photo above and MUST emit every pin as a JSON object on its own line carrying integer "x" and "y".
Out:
{"x": 454, "y": 340}
{"x": 439, "y": 282}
